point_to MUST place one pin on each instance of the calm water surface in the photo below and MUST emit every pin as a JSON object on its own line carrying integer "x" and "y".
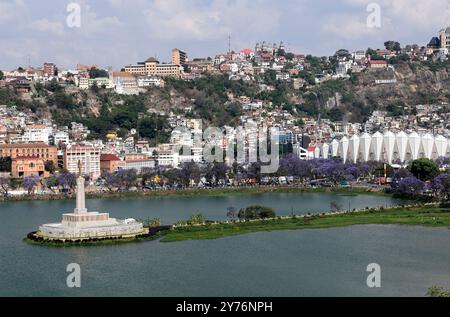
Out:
{"x": 330, "y": 262}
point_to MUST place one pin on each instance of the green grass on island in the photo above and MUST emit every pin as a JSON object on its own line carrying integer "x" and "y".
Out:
{"x": 427, "y": 216}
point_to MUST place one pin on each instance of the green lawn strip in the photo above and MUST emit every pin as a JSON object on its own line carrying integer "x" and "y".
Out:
{"x": 423, "y": 216}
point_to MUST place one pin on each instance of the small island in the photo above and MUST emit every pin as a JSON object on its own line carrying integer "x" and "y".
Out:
{"x": 83, "y": 226}
{"x": 434, "y": 215}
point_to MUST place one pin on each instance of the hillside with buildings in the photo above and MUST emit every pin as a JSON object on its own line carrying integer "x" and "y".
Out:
{"x": 130, "y": 113}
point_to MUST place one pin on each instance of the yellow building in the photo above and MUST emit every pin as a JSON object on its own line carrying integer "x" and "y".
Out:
{"x": 152, "y": 67}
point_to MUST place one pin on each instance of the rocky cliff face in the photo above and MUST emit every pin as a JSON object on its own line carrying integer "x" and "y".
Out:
{"x": 414, "y": 84}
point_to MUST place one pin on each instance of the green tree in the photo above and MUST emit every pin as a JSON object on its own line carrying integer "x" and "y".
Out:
{"x": 154, "y": 223}
{"x": 1, "y": 75}
{"x": 5, "y": 164}
{"x": 231, "y": 213}
{"x": 154, "y": 127}
{"x": 392, "y": 46}
{"x": 51, "y": 183}
{"x": 97, "y": 73}
{"x": 424, "y": 169}
{"x": 256, "y": 212}
{"x": 49, "y": 167}
{"x": 94, "y": 88}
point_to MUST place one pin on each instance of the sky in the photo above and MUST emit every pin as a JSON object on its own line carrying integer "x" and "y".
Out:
{"x": 115, "y": 33}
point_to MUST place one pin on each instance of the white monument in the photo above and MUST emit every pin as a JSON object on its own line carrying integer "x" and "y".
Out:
{"x": 84, "y": 225}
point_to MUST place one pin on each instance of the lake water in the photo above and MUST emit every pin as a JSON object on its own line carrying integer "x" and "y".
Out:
{"x": 329, "y": 262}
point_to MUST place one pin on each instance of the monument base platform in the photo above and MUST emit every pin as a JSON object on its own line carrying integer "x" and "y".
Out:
{"x": 108, "y": 229}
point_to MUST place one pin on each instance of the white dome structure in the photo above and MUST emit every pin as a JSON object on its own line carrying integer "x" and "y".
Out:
{"x": 317, "y": 153}
{"x": 377, "y": 146}
{"x": 325, "y": 151}
{"x": 334, "y": 148}
{"x": 389, "y": 148}
{"x": 402, "y": 145}
{"x": 414, "y": 144}
{"x": 441, "y": 145}
{"x": 365, "y": 143}
{"x": 428, "y": 145}
{"x": 343, "y": 148}
{"x": 354, "y": 147}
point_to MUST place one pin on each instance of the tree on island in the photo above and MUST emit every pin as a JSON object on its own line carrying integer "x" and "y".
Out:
{"x": 198, "y": 219}
{"x": 256, "y": 212}
{"x": 231, "y": 213}
{"x": 335, "y": 207}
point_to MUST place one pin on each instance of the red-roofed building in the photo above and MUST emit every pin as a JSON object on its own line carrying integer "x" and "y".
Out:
{"x": 247, "y": 53}
{"x": 110, "y": 163}
{"x": 375, "y": 64}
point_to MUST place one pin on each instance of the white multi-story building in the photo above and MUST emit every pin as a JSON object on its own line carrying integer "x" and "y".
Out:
{"x": 167, "y": 157}
{"x": 150, "y": 81}
{"x": 86, "y": 83}
{"x": 37, "y": 133}
{"x": 139, "y": 165}
{"x": 60, "y": 137}
{"x": 88, "y": 155}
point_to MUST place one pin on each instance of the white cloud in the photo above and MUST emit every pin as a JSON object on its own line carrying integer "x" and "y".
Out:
{"x": 197, "y": 20}
{"x": 94, "y": 25}
{"x": 109, "y": 28}
{"x": 348, "y": 27}
{"x": 11, "y": 10}
{"x": 399, "y": 18}
{"x": 44, "y": 25}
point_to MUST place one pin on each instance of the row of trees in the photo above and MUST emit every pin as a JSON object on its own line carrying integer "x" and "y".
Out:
{"x": 423, "y": 176}
{"x": 420, "y": 175}
{"x": 64, "y": 181}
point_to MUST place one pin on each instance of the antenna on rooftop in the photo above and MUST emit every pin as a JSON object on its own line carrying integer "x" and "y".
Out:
{"x": 229, "y": 43}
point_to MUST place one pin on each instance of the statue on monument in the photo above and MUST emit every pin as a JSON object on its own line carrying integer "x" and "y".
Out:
{"x": 79, "y": 168}
{"x": 81, "y": 201}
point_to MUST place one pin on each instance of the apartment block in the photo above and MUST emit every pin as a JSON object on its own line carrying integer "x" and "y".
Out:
{"x": 152, "y": 67}
{"x": 40, "y": 150}
{"x": 89, "y": 158}
{"x": 179, "y": 57}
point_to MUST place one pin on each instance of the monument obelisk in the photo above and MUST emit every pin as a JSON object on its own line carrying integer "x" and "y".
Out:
{"x": 81, "y": 197}
{"x": 83, "y": 225}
